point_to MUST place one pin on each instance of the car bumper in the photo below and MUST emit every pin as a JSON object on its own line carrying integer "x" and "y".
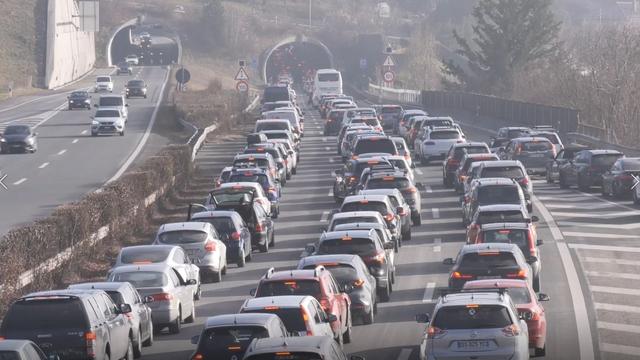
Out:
{"x": 164, "y": 316}
{"x": 136, "y": 93}
{"x": 259, "y": 238}
{"x": 233, "y": 251}
{"x": 106, "y": 129}
{"x": 79, "y": 104}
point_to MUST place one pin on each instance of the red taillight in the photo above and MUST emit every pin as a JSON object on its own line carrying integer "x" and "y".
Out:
{"x": 407, "y": 156}
{"x": 351, "y": 179}
{"x": 434, "y": 332}
{"x": 511, "y": 330}
{"x": 403, "y": 213}
{"x": 524, "y": 181}
{"x": 90, "y": 341}
{"x": 259, "y": 227}
{"x": 378, "y": 258}
{"x": 235, "y": 236}
{"x": 459, "y": 276}
{"x": 460, "y": 141}
{"x": 197, "y": 356}
{"x": 162, "y": 297}
{"x": 210, "y": 246}
{"x": 521, "y": 274}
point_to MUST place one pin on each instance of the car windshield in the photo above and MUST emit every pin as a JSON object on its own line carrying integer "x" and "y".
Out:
{"x": 458, "y": 153}
{"x": 289, "y": 287}
{"x": 10, "y": 355}
{"x": 389, "y": 183}
{"x": 551, "y": 137}
{"x": 17, "y": 130}
{"x": 79, "y": 94}
{"x": 488, "y": 217}
{"x": 537, "y": 146}
{"x": 272, "y": 125}
{"x": 291, "y": 317}
{"x": 277, "y": 135}
{"x": 218, "y": 338}
{"x": 488, "y": 259}
{"x": 111, "y": 101}
{"x": 231, "y": 196}
{"x": 328, "y": 77}
{"x": 46, "y": 314}
{"x": 365, "y": 206}
{"x": 513, "y": 236}
{"x": 375, "y": 145}
{"x": 439, "y": 122}
{"x": 153, "y": 254}
{"x": 103, "y": 79}
{"x": 605, "y": 160}
{"x": 257, "y": 178}
{"x": 444, "y": 135}
{"x": 136, "y": 83}
{"x": 498, "y": 194}
{"x": 182, "y": 237}
{"x": 510, "y": 172}
{"x": 352, "y": 220}
{"x": 141, "y": 279}
{"x": 107, "y": 114}
{"x": 391, "y": 110}
{"x": 472, "y": 317}
{"x": 354, "y": 246}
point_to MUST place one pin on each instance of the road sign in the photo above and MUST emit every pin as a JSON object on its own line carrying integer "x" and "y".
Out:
{"x": 389, "y": 76}
{"x": 388, "y": 61}
{"x": 242, "y": 86}
{"x": 242, "y": 75}
{"x": 183, "y": 76}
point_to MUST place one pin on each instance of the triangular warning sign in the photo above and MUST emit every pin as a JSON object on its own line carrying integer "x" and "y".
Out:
{"x": 388, "y": 61}
{"x": 242, "y": 75}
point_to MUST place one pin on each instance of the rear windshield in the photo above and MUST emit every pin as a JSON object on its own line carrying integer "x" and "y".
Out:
{"x": 287, "y": 115}
{"x": 605, "y": 159}
{"x": 336, "y": 115}
{"x": 458, "y": 153}
{"x": 292, "y": 318}
{"x": 537, "y": 146}
{"x": 103, "y": 79}
{"x": 274, "y": 153}
{"x": 232, "y": 196}
{"x": 278, "y": 135}
{"x": 498, "y": 194}
{"x": 139, "y": 83}
{"x": 218, "y": 338}
{"x": 328, "y": 77}
{"x": 395, "y": 183}
{"x": 107, "y": 113}
{"x": 260, "y": 179}
{"x": 152, "y": 254}
{"x": 141, "y": 279}
{"x": 183, "y": 237}
{"x": 289, "y": 287}
{"x": 43, "y": 315}
{"x": 261, "y": 163}
{"x": 513, "y": 236}
{"x": 488, "y": 217}
{"x": 286, "y": 356}
{"x": 480, "y": 317}
{"x": 276, "y": 125}
{"x": 354, "y": 113}
{"x": 551, "y": 137}
{"x": 488, "y": 260}
{"x": 223, "y": 225}
{"x": 353, "y": 220}
{"x": 9, "y": 355}
{"x": 110, "y": 101}
{"x": 439, "y": 122}
{"x": 511, "y": 172}
{"x": 444, "y": 135}
{"x": 391, "y": 110}
{"x": 343, "y": 273}
{"x": 354, "y": 246}
{"x": 368, "y": 121}
{"x": 470, "y": 161}
{"x": 369, "y": 206}
{"x": 375, "y": 145}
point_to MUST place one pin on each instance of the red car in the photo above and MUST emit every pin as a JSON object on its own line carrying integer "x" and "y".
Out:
{"x": 318, "y": 283}
{"x": 528, "y": 304}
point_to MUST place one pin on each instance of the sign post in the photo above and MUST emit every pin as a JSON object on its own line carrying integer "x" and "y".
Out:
{"x": 242, "y": 79}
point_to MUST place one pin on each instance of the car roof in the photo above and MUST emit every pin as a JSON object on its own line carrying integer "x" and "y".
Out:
{"x": 465, "y": 298}
{"x": 287, "y": 301}
{"x": 393, "y": 191}
{"x": 357, "y": 198}
{"x": 505, "y": 225}
{"x": 330, "y": 235}
{"x": 495, "y": 181}
{"x": 291, "y": 275}
{"x": 79, "y": 293}
{"x": 394, "y": 173}
{"x": 214, "y": 214}
{"x": 334, "y": 258}
{"x": 531, "y": 138}
{"x": 314, "y": 344}
{"x": 514, "y": 128}
{"x": 273, "y": 120}
{"x": 240, "y": 319}
{"x": 239, "y": 183}
{"x": 470, "y": 144}
{"x": 187, "y": 225}
{"x": 349, "y": 214}
{"x": 496, "y": 283}
{"x": 359, "y": 225}
{"x": 603, "y": 151}
{"x": 481, "y": 156}
{"x": 103, "y": 285}
{"x": 502, "y": 163}
{"x": 499, "y": 207}
{"x": 502, "y": 247}
{"x": 155, "y": 267}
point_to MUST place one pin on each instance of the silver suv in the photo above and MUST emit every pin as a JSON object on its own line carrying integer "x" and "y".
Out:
{"x": 483, "y": 323}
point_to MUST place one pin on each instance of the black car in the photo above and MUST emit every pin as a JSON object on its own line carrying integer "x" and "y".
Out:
{"x": 564, "y": 156}
{"x": 79, "y": 99}
{"x": 587, "y": 167}
{"x": 621, "y": 178}
{"x": 234, "y": 233}
{"x": 18, "y": 138}
{"x": 136, "y": 88}
{"x": 124, "y": 68}
{"x": 71, "y": 324}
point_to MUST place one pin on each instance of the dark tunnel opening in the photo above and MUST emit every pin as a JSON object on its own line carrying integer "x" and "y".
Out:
{"x": 297, "y": 60}
{"x": 158, "y": 48}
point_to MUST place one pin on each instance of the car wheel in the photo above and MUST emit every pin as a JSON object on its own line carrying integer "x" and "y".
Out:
{"x": 384, "y": 294}
{"x": 217, "y": 276}
{"x": 369, "y": 317}
{"x": 129, "y": 355}
{"x": 582, "y": 185}
{"x": 539, "y": 352}
{"x": 548, "y": 177}
{"x": 264, "y": 247}
{"x": 272, "y": 243}
{"x": 347, "y": 334}
{"x": 406, "y": 235}
{"x": 192, "y": 317}
{"x": 294, "y": 171}
{"x": 198, "y": 294}
{"x": 340, "y": 340}
{"x": 417, "y": 220}
{"x": 536, "y": 284}
{"x": 149, "y": 341}
{"x": 224, "y": 269}
{"x": 122, "y": 133}
{"x": 424, "y": 160}
{"x": 615, "y": 191}
{"x": 604, "y": 190}
{"x": 174, "y": 328}
{"x": 137, "y": 345}
{"x": 249, "y": 257}
{"x": 94, "y": 134}
{"x": 241, "y": 259}
{"x": 563, "y": 182}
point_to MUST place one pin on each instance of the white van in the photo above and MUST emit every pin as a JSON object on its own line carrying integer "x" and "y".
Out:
{"x": 327, "y": 81}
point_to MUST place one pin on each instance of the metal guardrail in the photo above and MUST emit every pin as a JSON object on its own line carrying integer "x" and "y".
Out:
{"x": 412, "y": 97}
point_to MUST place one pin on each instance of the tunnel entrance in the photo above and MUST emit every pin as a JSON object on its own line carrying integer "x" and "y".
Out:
{"x": 295, "y": 58}
{"x": 153, "y": 44}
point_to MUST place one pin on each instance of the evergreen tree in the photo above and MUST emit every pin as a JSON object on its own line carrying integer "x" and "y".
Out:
{"x": 508, "y": 36}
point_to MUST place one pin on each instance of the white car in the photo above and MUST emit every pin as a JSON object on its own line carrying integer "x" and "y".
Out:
{"x": 230, "y": 191}
{"x": 437, "y": 142}
{"x": 104, "y": 83}
{"x": 107, "y": 121}
{"x": 132, "y": 59}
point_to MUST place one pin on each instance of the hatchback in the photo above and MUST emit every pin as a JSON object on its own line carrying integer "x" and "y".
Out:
{"x": 532, "y": 152}
{"x": 233, "y": 232}
{"x": 297, "y": 348}
{"x": 490, "y": 191}
{"x": 512, "y": 169}
{"x": 455, "y": 156}
{"x": 463, "y": 170}
{"x": 621, "y": 178}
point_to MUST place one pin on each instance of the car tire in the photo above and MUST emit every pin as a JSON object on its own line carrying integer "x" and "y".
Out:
{"x": 192, "y": 317}
{"x": 548, "y": 177}
{"x": 249, "y": 256}
{"x": 406, "y": 235}
{"x": 129, "y": 355}
{"x": 198, "y": 295}
{"x": 603, "y": 189}
{"x": 369, "y": 318}
{"x": 94, "y": 134}
{"x": 241, "y": 259}
{"x": 384, "y": 294}
{"x": 294, "y": 171}
{"x": 536, "y": 284}
{"x": 424, "y": 160}
{"x": 137, "y": 346}
{"x": 174, "y": 328}
{"x": 272, "y": 243}
{"x": 563, "y": 182}
{"x": 417, "y": 220}
{"x": 224, "y": 269}
{"x": 122, "y": 133}
{"x": 264, "y": 248}
{"x": 217, "y": 276}
{"x": 347, "y": 334}
{"x": 582, "y": 185}
{"x": 149, "y": 341}
{"x": 540, "y": 352}
{"x": 530, "y": 208}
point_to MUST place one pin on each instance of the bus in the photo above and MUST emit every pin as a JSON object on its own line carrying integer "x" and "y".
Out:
{"x": 327, "y": 81}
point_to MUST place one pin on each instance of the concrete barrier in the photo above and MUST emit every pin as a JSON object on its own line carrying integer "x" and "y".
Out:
{"x": 71, "y": 53}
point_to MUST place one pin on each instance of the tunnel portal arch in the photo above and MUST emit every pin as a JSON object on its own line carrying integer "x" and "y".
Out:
{"x": 295, "y": 54}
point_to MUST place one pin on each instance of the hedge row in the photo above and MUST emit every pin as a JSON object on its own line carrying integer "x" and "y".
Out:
{"x": 70, "y": 225}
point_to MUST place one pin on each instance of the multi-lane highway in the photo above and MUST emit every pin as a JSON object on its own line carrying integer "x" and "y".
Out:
{"x": 589, "y": 261}
{"x": 69, "y": 162}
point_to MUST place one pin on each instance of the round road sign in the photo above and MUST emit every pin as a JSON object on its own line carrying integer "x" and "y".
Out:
{"x": 183, "y": 76}
{"x": 242, "y": 86}
{"x": 389, "y": 76}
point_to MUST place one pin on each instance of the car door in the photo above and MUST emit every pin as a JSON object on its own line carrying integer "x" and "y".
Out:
{"x": 609, "y": 176}
{"x": 579, "y": 164}
{"x": 183, "y": 293}
{"x": 118, "y": 327}
{"x": 342, "y": 298}
{"x": 141, "y": 309}
{"x": 555, "y": 164}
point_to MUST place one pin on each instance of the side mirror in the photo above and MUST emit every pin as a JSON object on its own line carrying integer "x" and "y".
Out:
{"x": 447, "y": 261}
{"x": 148, "y": 299}
{"x": 125, "y": 308}
{"x": 399, "y": 210}
{"x": 190, "y": 282}
{"x": 331, "y": 318}
{"x": 543, "y": 297}
{"x": 310, "y": 249}
{"x": 388, "y": 246}
{"x": 539, "y": 242}
{"x": 534, "y": 219}
{"x": 422, "y": 318}
{"x": 253, "y": 291}
{"x": 195, "y": 339}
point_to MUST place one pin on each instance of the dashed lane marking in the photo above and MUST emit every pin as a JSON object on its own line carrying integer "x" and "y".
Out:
{"x": 62, "y": 151}
{"x": 75, "y": 141}
{"x": 43, "y": 165}
{"x": 436, "y": 213}
{"x": 324, "y": 216}
{"x": 20, "y": 181}
{"x": 437, "y": 245}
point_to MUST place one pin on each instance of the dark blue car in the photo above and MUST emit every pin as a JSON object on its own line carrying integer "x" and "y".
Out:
{"x": 270, "y": 186}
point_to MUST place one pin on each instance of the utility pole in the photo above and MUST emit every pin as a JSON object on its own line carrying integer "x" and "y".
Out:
{"x": 310, "y": 13}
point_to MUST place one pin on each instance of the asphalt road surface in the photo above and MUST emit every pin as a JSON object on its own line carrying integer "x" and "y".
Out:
{"x": 590, "y": 266}
{"x": 69, "y": 162}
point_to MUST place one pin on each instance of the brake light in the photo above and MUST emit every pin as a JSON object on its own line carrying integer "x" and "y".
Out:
{"x": 412, "y": 190}
{"x": 521, "y": 274}
{"x": 377, "y": 258}
{"x": 459, "y": 276}
{"x": 259, "y": 227}
{"x": 358, "y": 283}
{"x": 197, "y": 356}
{"x": 326, "y": 305}
{"x": 351, "y": 179}
{"x": 407, "y": 156}
{"x": 461, "y": 178}
{"x": 162, "y": 297}
{"x": 305, "y": 318}
{"x": 90, "y": 338}
{"x": 403, "y": 213}
{"x": 434, "y": 332}
{"x": 210, "y": 246}
{"x": 235, "y": 235}
{"x": 354, "y": 157}
{"x": 511, "y": 330}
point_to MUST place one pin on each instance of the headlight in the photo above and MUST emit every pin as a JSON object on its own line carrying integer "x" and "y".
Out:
{"x": 71, "y": 101}
{"x": 87, "y": 101}
{"x": 3, "y": 140}
{"x": 95, "y": 123}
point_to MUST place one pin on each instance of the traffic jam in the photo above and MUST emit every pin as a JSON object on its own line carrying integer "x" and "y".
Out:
{"x": 493, "y": 306}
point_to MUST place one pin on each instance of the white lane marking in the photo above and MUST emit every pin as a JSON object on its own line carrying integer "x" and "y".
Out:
{"x": 146, "y": 135}
{"x": 604, "y": 247}
{"x": 615, "y": 290}
{"x": 330, "y": 192}
{"x": 324, "y": 216}
{"x": 603, "y": 215}
{"x": 630, "y": 226}
{"x": 331, "y": 160}
{"x": 84, "y": 132}
{"x": 62, "y": 151}
{"x": 585, "y": 341}
{"x": 436, "y": 213}
{"x": 43, "y": 165}
{"x": 428, "y": 292}
{"x": 613, "y": 275}
{"x": 2, "y": 177}
{"x": 617, "y": 307}
{"x": 327, "y": 148}
{"x": 436, "y": 245}
{"x": 577, "y": 206}
{"x": 427, "y": 189}
{"x": 620, "y": 349}
{"x": 75, "y": 141}
{"x": 20, "y": 181}
{"x": 553, "y": 227}
{"x": 618, "y": 327}
{"x": 324, "y": 139}
{"x": 599, "y": 235}
{"x": 405, "y": 353}
{"x": 611, "y": 261}
{"x": 419, "y": 172}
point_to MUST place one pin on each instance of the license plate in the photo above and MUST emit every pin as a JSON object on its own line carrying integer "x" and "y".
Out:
{"x": 488, "y": 277}
{"x": 474, "y": 345}
{"x": 537, "y": 155}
